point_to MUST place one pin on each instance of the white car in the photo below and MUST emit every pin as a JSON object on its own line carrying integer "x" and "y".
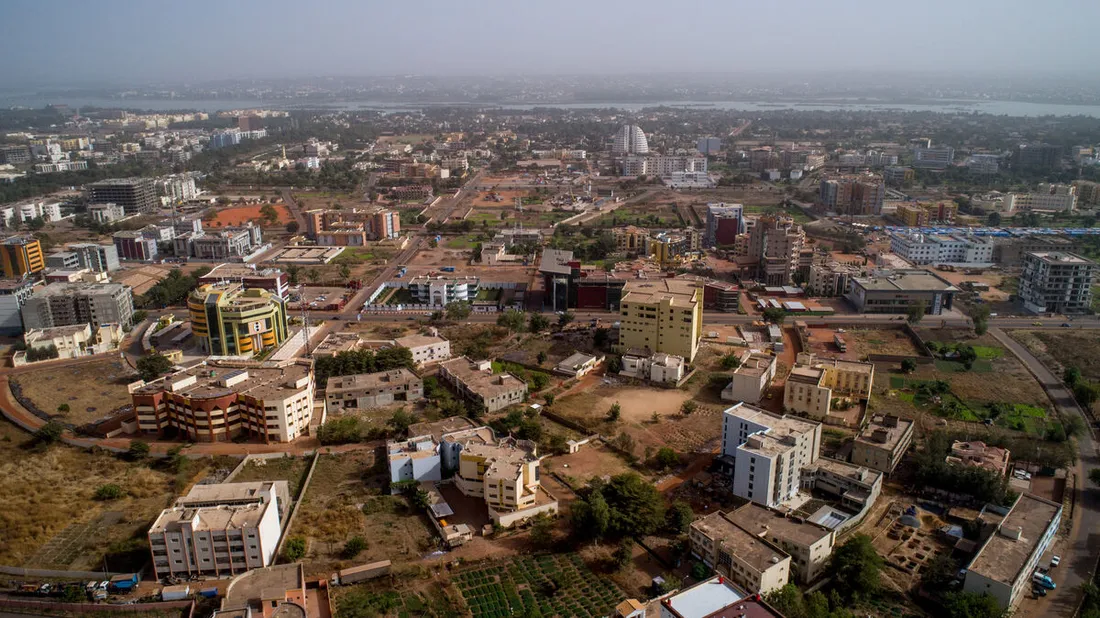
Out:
{"x": 1055, "y": 561}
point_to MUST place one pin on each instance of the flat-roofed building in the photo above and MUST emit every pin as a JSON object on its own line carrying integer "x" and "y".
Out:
{"x": 751, "y": 378}
{"x": 660, "y": 368}
{"x": 980, "y": 455}
{"x": 1004, "y": 565}
{"x": 809, "y": 545}
{"x": 716, "y": 597}
{"x": 231, "y": 320}
{"x": 752, "y": 562}
{"x": 21, "y": 255}
{"x": 814, "y": 383}
{"x": 578, "y": 364}
{"x": 855, "y": 486}
{"x": 664, "y": 315}
{"x": 505, "y": 475}
{"x": 898, "y": 290}
{"x": 425, "y": 348}
{"x": 219, "y": 530}
{"x": 438, "y": 291}
{"x": 135, "y": 195}
{"x": 882, "y": 443}
{"x": 768, "y": 451}
{"x": 432, "y": 449}
{"x": 218, "y": 402}
{"x": 373, "y": 390}
{"x": 68, "y": 304}
{"x": 271, "y": 279}
{"x": 475, "y": 381}
{"x": 335, "y": 343}
{"x": 14, "y": 293}
{"x": 1056, "y": 282}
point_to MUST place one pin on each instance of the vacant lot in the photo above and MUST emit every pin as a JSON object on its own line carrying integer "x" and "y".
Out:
{"x": 239, "y": 215}
{"x": 290, "y": 469}
{"x": 90, "y": 390}
{"x": 348, "y": 497}
{"x": 1064, "y": 348}
{"x": 546, "y": 585}
{"x": 593, "y": 460}
{"x": 49, "y": 517}
{"x": 892, "y": 341}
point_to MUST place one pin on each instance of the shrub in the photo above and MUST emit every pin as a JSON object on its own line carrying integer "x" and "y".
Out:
{"x": 110, "y": 491}
{"x": 138, "y": 449}
{"x": 353, "y": 547}
{"x": 295, "y": 549}
{"x": 340, "y": 431}
{"x": 49, "y": 433}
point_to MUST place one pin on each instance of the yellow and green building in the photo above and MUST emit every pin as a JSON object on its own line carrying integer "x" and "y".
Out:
{"x": 230, "y": 320}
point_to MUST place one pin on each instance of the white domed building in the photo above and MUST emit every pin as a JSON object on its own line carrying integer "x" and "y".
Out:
{"x": 630, "y": 140}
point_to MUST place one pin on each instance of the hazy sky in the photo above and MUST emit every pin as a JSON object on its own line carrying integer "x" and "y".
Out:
{"x": 126, "y": 41}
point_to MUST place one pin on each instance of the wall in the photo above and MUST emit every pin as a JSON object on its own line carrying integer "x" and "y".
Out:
{"x": 508, "y": 519}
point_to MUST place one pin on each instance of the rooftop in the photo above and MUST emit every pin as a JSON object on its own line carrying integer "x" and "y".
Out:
{"x": 416, "y": 341}
{"x": 575, "y": 361}
{"x": 678, "y": 291}
{"x": 261, "y": 381}
{"x": 75, "y": 288}
{"x": 1060, "y": 257}
{"x": 906, "y": 281}
{"x": 360, "y": 381}
{"x": 437, "y": 429}
{"x": 237, "y": 271}
{"x": 705, "y": 598}
{"x": 254, "y": 491}
{"x": 749, "y": 548}
{"x": 334, "y": 343}
{"x": 755, "y": 365}
{"x": 556, "y": 261}
{"x": 844, "y": 469}
{"x": 777, "y": 425}
{"x": 762, "y": 521}
{"x": 504, "y": 460}
{"x": 484, "y": 383}
{"x": 261, "y": 584}
{"x": 885, "y": 431}
{"x": 1002, "y": 557}
{"x": 218, "y": 517}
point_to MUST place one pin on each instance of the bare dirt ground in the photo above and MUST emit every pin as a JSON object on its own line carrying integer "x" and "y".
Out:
{"x": 91, "y": 390}
{"x": 592, "y": 460}
{"x": 239, "y": 215}
{"x": 862, "y": 342}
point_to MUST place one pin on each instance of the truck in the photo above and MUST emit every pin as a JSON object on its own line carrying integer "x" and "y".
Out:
{"x": 840, "y": 343}
{"x": 360, "y": 573}
{"x": 123, "y": 583}
{"x": 208, "y": 593}
{"x": 175, "y": 593}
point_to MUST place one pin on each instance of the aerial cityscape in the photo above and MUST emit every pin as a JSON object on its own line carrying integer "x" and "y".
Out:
{"x": 520, "y": 330}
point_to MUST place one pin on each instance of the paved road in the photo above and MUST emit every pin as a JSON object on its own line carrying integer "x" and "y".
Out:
{"x": 1083, "y": 546}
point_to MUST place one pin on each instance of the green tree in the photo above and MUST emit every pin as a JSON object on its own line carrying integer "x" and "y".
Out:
{"x": 458, "y": 309}
{"x": 731, "y": 361}
{"x": 678, "y": 517}
{"x": 915, "y": 313}
{"x": 614, "y": 412}
{"x": 993, "y": 220}
{"x": 292, "y": 227}
{"x": 542, "y": 531}
{"x": 980, "y": 315}
{"x": 1094, "y": 475}
{"x": 292, "y": 273}
{"x": 549, "y": 399}
{"x": 355, "y": 546}
{"x": 313, "y": 275}
{"x": 688, "y": 407}
{"x": 63, "y": 408}
{"x": 624, "y": 553}
{"x": 340, "y": 430}
{"x": 512, "y": 320}
{"x": 421, "y": 499}
{"x": 699, "y": 571}
{"x": 667, "y": 457}
{"x": 541, "y": 358}
{"x": 856, "y": 568}
{"x": 295, "y": 549}
{"x": 109, "y": 491}
{"x": 345, "y": 272}
{"x": 635, "y": 505}
{"x": 1086, "y": 393}
{"x": 1071, "y": 375}
{"x": 269, "y": 214}
{"x": 774, "y": 315}
{"x": 537, "y": 323}
{"x": 138, "y": 449}
{"x": 539, "y": 380}
{"x": 908, "y": 365}
{"x": 152, "y": 366}
{"x": 600, "y": 337}
{"x": 566, "y": 318}
{"x": 399, "y": 423}
{"x": 590, "y": 516}
{"x": 961, "y": 604}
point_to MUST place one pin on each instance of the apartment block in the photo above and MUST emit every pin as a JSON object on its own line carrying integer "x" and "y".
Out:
{"x": 439, "y": 290}
{"x": 216, "y": 402}
{"x": 661, "y": 165}
{"x": 373, "y": 390}
{"x": 814, "y": 384}
{"x": 432, "y": 448}
{"x": 219, "y": 530}
{"x": 1004, "y": 565}
{"x": 69, "y": 304}
{"x": 14, "y": 293}
{"x": 809, "y": 545}
{"x": 750, "y": 380}
{"x": 506, "y": 475}
{"x": 775, "y": 246}
{"x": 882, "y": 443}
{"x": 231, "y": 320}
{"x": 664, "y": 315}
{"x": 21, "y": 255}
{"x": 273, "y": 280}
{"x": 135, "y": 195}
{"x": 1037, "y": 157}
{"x": 897, "y": 290}
{"x": 922, "y": 214}
{"x": 855, "y": 486}
{"x": 920, "y": 249}
{"x": 768, "y": 451}
{"x": 1088, "y": 192}
{"x": 1055, "y": 282}
{"x": 95, "y": 257}
{"x": 896, "y": 176}
{"x": 831, "y": 278}
{"x": 724, "y": 223}
{"x": 852, "y": 195}
{"x": 630, "y": 239}
{"x": 716, "y": 597}
{"x": 1048, "y": 197}
{"x": 1011, "y": 251}
{"x": 659, "y": 368}
{"x": 752, "y": 562}
{"x": 933, "y": 158}
{"x": 425, "y": 349}
{"x": 476, "y": 382}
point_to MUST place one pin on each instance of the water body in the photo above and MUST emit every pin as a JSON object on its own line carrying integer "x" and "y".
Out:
{"x": 1005, "y": 108}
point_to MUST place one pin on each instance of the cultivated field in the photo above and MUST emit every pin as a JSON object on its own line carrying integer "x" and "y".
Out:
{"x": 91, "y": 390}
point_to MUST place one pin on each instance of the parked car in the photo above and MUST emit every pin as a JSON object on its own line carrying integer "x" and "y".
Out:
{"x": 1055, "y": 561}
{"x": 1065, "y": 324}
{"x": 1038, "y": 591}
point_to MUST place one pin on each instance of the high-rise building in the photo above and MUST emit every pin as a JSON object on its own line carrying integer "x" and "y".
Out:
{"x": 775, "y": 244}
{"x": 1037, "y": 157}
{"x": 933, "y": 158}
{"x": 229, "y": 320}
{"x": 630, "y": 140}
{"x": 134, "y": 245}
{"x": 21, "y": 255}
{"x": 983, "y": 163}
{"x": 135, "y": 195}
{"x": 662, "y": 315}
{"x": 250, "y": 123}
{"x": 661, "y": 165}
{"x": 724, "y": 223}
{"x": 853, "y": 195}
{"x": 896, "y": 176}
{"x": 14, "y": 293}
{"x": 95, "y": 257}
{"x": 709, "y": 145}
{"x": 70, "y": 304}
{"x": 1087, "y": 192}
{"x": 1055, "y": 282}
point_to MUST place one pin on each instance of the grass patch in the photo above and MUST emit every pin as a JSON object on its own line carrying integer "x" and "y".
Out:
{"x": 359, "y": 255}
{"x": 400, "y": 296}
{"x": 460, "y": 242}
{"x": 489, "y": 294}
{"x": 980, "y": 366}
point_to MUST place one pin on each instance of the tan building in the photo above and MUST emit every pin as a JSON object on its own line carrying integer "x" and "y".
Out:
{"x": 752, "y": 562}
{"x": 663, "y": 315}
{"x": 506, "y": 475}
{"x": 856, "y": 487}
{"x": 630, "y": 239}
{"x": 882, "y": 443}
{"x": 774, "y": 245}
{"x": 814, "y": 384}
{"x": 373, "y": 390}
{"x": 809, "y": 545}
{"x": 335, "y": 343}
{"x": 981, "y": 455}
{"x": 751, "y": 378}
{"x": 475, "y": 381}
{"x": 425, "y": 348}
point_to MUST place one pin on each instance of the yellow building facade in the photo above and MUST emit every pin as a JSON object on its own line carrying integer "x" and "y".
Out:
{"x": 663, "y": 315}
{"x": 21, "y": 256}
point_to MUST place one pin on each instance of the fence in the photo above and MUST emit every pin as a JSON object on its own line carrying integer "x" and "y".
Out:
{"x": 21, "y": 572}
{"x": 297, "y": 503}
{"x": 43, "y": 607}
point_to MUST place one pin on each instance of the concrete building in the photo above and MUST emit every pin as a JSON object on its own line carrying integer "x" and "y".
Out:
{"x": 1049, "y": 197}
{"x": 661, "y": 165}
{"x": 476, "y": 382}
{"x": 896, "y": 176}
{"x": 752, "y": 562}
{"x": 980, "y": 455}
{"x": 74, "y": 341}
{"x": 630, "y": 239}
{"x": 768, "y": 452}
{"x": 63, "y": 260}
{"x": 105, "y": 213}
{"x": 830, "y": 278}
{"x": 927, "y": 213}
{"x": 1004, "y": 565}
{"x": 895, "y": 291}
{"x": 774, "y": 249}
{"x": 855, "y": 486}
{"x": 273, "y": 280}
{"x": 219, "y": 530}
{"x": 135, "y": 195}
{"x": 751, "y": 378}
{"x": 95, "y": 257}
{"x": 425, "y": 349}
{"x": 1011, "y": 251}
{"x": 985, "y": 164}
{"x": 21, "y": 255}
{"x": 135, "y": 245}
{"x": 724, "y": 223}
{"x": 814, "y": 384}
{"x": 218, "y": 402}
{"x": 432, "y": 450}
{"x": 716, "y": 597}
{"x": 630, "y": 140}
{"x": 439, "y": 290}
{"x": 957, "y": 249}
{"x": 882, "y": 443}
{"x": 709, "y": 145}
{"x": 1056, "y": 282}
{"x": 660, "y": 368}
{"x": 663, "y": 315}
{"x": 1037, "y": 157}
{"x": 852, "y": 195}
{"x": 38, "y": 209}
{"x": 809, "y": 545}
{"x": 506, "y": 475}
{"x": 224, "y": 244}
{"x": 178, "y": 187}
{"x": 69, "y": 304}
{"x": 373, "y": 390}
{"x": 1088, "y": 192}
{"x": 569, "y": 285}
{"x": 229, "y": 320}
{"x": 14, "y": 293}
{"x": 578, "y": 365}
{"x": 933, "y": 158}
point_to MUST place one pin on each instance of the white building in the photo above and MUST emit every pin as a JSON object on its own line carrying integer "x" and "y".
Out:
{"x": 425, "y": 348}
{"x": 662, "y": 165}
{"x": 578, "y": 365}
{"x": 1047, "y": 197}
{"x": 179, "y": 187}
{"x": 984, "y": 164}
{"x": 661, "y": 368}
{"x": 1057, "y": 282}
{"x": 48, "y": 211}
{"x": 438, "y": 291}
{"x": 768, "y": 451}
{"x": 751, "y": 378}
{"x": 933, "y": 158}
{"x": 432, "y": 448}
{"x": 630, "y": 140}
{"x": 922, "y": 249}
{"x": 105, "y": 213}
